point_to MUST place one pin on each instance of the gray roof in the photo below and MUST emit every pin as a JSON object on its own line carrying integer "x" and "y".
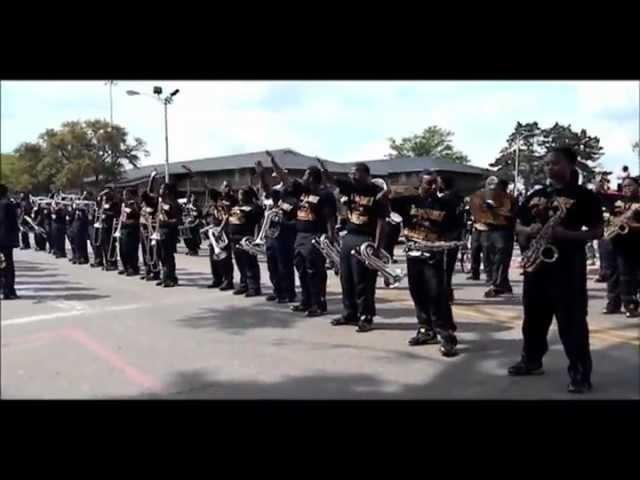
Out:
{"x": 293, "y": 160}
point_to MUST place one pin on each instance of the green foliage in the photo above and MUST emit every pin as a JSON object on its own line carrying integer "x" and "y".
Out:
{"x": 535, "y": 142}
{"x": 77, "y": 150}
{"x": 636, "y": 147}
{"x": 432, "y": 141}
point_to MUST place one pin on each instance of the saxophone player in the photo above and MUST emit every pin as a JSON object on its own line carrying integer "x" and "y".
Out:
{"x": 559, "y": 288}
{"x": 622, "y": 285}
{"x": 429, "y": 218}
{"x": 221, "y": 269}
{"x": 367, "y": 211}
{"x": 169, "y": 215}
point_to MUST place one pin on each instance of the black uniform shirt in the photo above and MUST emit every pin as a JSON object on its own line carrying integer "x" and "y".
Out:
{"x": 457, "y": 202}
{"x": 8, "y": 224}
{"x": 287, "y": 200}
{"x": 630, "y": 240}
{"x": 131, "y": 214}
{"x": 429, "y": 219}
{"x": 583, "y": 210}
{"x": 314, "y": 210}
{"x": 243, "y": 220}
{"x": 365, "y": 205}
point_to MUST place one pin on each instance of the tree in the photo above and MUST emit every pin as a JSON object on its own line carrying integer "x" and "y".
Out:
{"x": 636, "y": 147}
{"x": 536, "y": 142}
{"x": 432, "y": 141}
{"x": 78, "y": 150}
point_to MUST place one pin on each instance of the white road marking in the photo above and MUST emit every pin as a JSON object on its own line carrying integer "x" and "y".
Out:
{"x": 86, "y": 311}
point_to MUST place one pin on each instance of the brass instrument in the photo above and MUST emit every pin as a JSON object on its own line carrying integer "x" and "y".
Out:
{"x": 257, "y": 246}
{"x": 115, "y": 237}
{"x": 481, "y": 202}
{"x": 37, "y": 230}
{"x": 217, "y": 238}
{"x": 330, "y": 251}
{"x": 421, "y": 249}
{"x": 620, "y": 225}
{"x": 378, "y": 259}
{"x": 541, "y": 251}
{"x": 189, "y": 213}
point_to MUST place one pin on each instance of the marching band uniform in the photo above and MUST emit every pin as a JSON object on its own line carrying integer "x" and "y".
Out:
{"x": 80, "y": 227}
{"x": 70, "y": 215}
{"x": 170, "y": 215}
{"x": 500, "y": 241}
{"x": 193, "y": 242}
{"x": 148, "y": 210}
{"x": 622, "y": 285}
{"x": 559, "y": 288}
{"x": 110, "y": 212}
{"x": 454, "y": 233}
{"x": 8, "y": 241}
{"x": 58, "y": 230}
{"x": 130, "y": 238}
{"x": 243, "y": 220}
{"x": 365, "y": 207}
{"x": 39, "y": 219}
{"x": 26, "y": 207}
{"x": 221, "y": 269}
{"x": 429, "y": 218}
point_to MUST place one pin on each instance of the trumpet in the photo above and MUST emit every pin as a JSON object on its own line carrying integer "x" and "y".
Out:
{"x": 330, "y": 251}
{"x": 380, "y": 261}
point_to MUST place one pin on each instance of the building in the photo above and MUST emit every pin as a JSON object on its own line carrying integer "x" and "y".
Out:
{"x": 198, "y": 176}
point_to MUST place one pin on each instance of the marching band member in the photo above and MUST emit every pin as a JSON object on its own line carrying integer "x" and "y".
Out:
{"x": 430, "y": 218}
{"x": 367, "y": 211}
{"x": 244, "y": 219}
{"x": 59, "y": 229}
{"x": 280, "y": 250}
{"x": 479, "y": 233}
{"x": 622, "y": 287}
{"x": 169, "y": 213}
{"x": 80, "y": 227}
{"x": 26, "y": 208}
{"x": 110, "y": 213}
{"x": 130, "y": 234}
{"x": 221, "y": 268}
{"x": 39, "y": 219}
{"x": 150, "y": 257}
{"x": 558, "y": 287}
{"x": 9, "y": 212}
{"x": 70, "y": 215}
{"x": 315, "y": 216}
{"x": 193, "y": 242}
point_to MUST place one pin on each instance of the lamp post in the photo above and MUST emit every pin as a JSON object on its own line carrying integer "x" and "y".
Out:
{"x": 157, "y": 91}
{"x": 517, "y": 165}
{"x": 111, "y": 83}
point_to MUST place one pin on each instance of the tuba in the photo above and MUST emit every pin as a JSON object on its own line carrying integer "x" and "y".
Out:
{"x": 380, "y": 261}
{"x": 330, "y": 251}
{"x": 541, "y": 251}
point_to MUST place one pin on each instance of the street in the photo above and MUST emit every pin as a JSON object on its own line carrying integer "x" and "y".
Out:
{"x": 82, "y": 333}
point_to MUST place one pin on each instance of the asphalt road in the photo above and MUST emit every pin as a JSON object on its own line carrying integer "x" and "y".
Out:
{"x": 81, "y": 333}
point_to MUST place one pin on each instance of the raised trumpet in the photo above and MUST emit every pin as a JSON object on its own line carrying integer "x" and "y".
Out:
{"x": 379, "y": 260}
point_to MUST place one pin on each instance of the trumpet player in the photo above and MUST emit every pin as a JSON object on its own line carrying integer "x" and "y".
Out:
{"x": 26, "y": 207}
{"x": 169, "y": 215}
{"x": 558, "y": 286}
{"x": 367, "y": 210}
{"x": 624, "y": 237}
{"x": 130, "y": 234}
{"x": 429, "y": 218}
{"x": 216, "y": 215}
{"x": 244, "y": 219}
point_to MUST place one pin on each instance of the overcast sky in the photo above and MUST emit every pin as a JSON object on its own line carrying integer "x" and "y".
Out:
{"x": 341, "y": 121}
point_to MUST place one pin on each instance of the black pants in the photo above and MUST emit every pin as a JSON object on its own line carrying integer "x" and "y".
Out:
{"x": 193, "y": 242}
{"x": 451, "y": 256}
{"x": 129, "y": 246}
{"x": 358, "y": 281}
{"x": 222, "y": 270}
{"x": 500, "y": 251}
{"x": 606, "y": 258}
{"x": 312, "y": 272}
{"x": 58, "y": 232}
{"x": 108, "y": 248}
{"x": 149, "y": 267}
{"x": 428, "y": 287}
{"x": 71, "y": 236}
{"x": 624, "y": 278}
{"x": 8, "y": 273}
{"x": 40, "y": 241}
{"x": 390, "y": 239}
{"x": 24, "y": 239}
{"x": 248, "y": 266}
{"x": 280, "y": 262}
{"x": 50, "y": 239}
{"x": 167, "y": 255}
{"x": 559, "y": 289}
{"x": 81, "y": 238}
{"x": 478, "y": 253}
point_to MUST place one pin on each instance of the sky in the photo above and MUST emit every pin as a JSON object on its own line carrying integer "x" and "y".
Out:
{"x": 337, "y": 120}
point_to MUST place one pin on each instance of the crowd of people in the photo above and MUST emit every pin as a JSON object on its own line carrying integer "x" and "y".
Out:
{"x": 359, "y": 219}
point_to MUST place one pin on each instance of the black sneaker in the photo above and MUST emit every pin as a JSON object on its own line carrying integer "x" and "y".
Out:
{"x": 226, "y": 286}
{"x": 323, "y": 306}
{"x": 524, "y": 368}
{"x": 170, "y": 284}
{"x": 610, "y": 311}
{"x": 578, "y": 385}
{"x": 314, "y": 312}
{"x": 251, "y": 293}
{"x": 343, "y": 320}
{"x": 365, "y": 324}
{"x": 494, "y": 292}
{"x": 472, "y": 277}
{"x": 299, "y": 308}
{"x": 632, "y": 313}
{"x": 159, "y": 283}
{"x": 282, "y": 301}
{"x": 424, "y": 336}
{"x": 121, "y": 272}
{"x": 271, "y": 298}
{"x": 240, "y": 291}
{"x": 448, "y": 343}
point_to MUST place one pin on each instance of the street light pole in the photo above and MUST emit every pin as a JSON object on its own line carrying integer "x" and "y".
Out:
{"x": 517, "y": 165}
{"x": 166, "y": 142}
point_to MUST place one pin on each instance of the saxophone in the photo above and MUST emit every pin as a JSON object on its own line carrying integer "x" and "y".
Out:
{"x": 620, "y": 225}
{"x": 541, "y": 249}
